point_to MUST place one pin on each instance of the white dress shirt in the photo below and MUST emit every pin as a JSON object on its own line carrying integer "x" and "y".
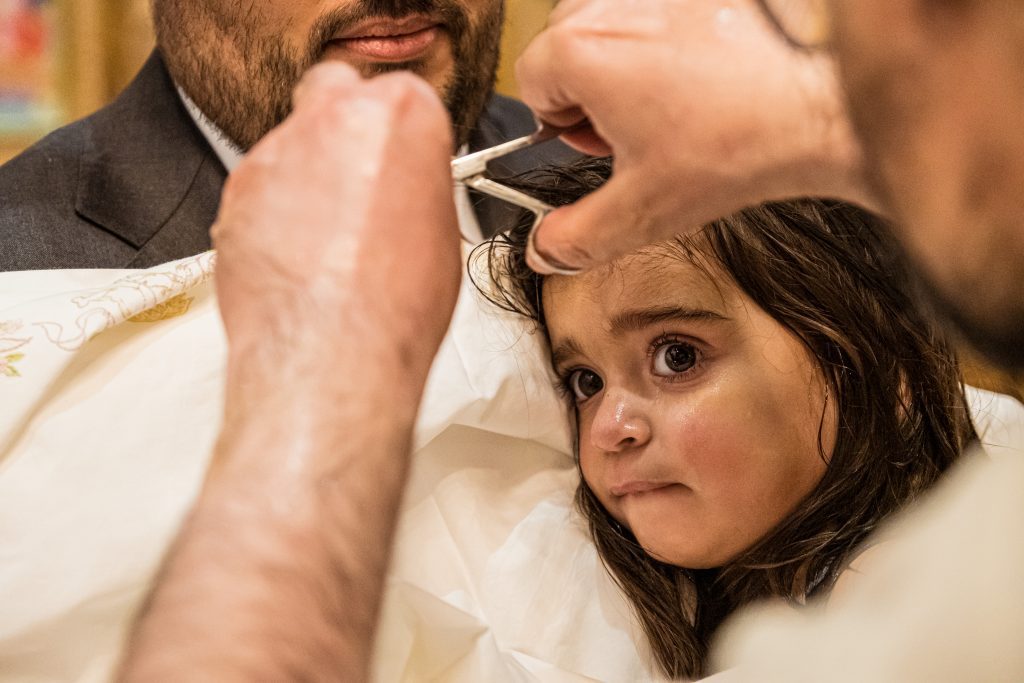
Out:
{"x": 230, "y": 154}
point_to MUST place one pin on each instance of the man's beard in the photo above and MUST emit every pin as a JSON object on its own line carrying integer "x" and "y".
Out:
{"x": 999, "y": 339}
{"x": 243, "y": 80}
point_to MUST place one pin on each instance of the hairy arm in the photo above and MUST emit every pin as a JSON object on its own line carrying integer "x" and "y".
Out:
{"x": 278, "y": 571}
{"x": 338, "y": 269}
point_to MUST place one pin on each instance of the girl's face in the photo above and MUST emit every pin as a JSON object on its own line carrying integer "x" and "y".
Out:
{"x": 701, "y": 419}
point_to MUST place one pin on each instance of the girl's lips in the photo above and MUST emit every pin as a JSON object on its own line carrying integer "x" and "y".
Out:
{"x": 635, "y": 487}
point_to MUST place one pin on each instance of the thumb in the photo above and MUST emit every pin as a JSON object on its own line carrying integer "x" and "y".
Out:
{"x": 597, "y": 229}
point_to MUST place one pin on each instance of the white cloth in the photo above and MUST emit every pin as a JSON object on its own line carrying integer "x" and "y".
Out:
{"x": 108, "y": 417}
{"x": 943, "y": 602}
{"x": 231, "y": 155}
{"x": 110, "y": 401}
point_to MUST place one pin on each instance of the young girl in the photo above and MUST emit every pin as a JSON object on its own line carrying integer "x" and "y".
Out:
{"x": 751, "y": 402}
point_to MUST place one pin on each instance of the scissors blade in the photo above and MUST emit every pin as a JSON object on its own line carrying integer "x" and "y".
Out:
{"x": 510, "y": 195}
{"x": 469, "y": 165}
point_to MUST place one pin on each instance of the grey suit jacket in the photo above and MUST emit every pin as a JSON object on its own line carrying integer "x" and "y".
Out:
{"x": 136, "y": 184}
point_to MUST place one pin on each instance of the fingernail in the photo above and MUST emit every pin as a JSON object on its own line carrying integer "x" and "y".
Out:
{"x": 544, "y": 265}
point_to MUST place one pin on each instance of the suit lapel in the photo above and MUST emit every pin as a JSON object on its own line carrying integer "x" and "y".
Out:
{"x": 147, "y": 175}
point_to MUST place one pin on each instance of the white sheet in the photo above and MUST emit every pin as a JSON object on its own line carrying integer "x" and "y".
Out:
{"x": 106, "y": 424}
{"x": 104, "y": 442}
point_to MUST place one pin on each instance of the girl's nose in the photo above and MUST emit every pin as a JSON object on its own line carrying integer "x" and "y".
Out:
{"x": 620, "y": 423}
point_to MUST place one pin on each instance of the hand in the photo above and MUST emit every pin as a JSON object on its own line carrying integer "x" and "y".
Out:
{"x": 338, "y": 248}
{"x": 705, "y": 108}
{"x": 338, "y": 268}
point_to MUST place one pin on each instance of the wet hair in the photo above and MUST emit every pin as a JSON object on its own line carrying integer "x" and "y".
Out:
{"x": 829, "y": 273}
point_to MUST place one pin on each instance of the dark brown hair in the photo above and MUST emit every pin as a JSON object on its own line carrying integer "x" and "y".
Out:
{"x": 829, "y": 273}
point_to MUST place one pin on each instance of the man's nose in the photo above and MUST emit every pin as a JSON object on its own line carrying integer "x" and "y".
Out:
{"x": 620, "y": 423}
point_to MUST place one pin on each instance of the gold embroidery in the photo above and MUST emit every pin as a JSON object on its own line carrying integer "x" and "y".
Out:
{"x": 7, "y": 368}
{"x": 9, "y": 344}
{"x": 172, "y": 308}
{"x": 132, "y": 295}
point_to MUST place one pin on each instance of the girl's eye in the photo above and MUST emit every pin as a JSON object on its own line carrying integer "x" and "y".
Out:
{"x": 673, "y": 358}
{"x": 585, "y": 383}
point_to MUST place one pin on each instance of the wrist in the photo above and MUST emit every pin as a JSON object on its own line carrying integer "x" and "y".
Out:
{"x": 294, "y": 525}
{"x": 295, "y": 418}
{"x": 348, "y": 369}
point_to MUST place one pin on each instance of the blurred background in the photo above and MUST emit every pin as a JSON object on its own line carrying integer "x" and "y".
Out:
{"x": 63, "y": 59}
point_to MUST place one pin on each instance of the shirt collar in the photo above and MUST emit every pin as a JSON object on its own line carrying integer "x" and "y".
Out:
{"x": 226, "y": 150}
{"x": 231, "y": 154}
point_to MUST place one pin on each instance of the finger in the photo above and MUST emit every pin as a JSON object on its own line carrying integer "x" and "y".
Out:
{"x": 588, "y": 141}
{"x": 597, "y": 229}
{"x": 565, "y": 9}
{"x": 541, "y": 82}
{"x": 412, "y": 94}
{"x": 324, "y": 81}
{"x": 405, "y": 81}
{"x": 416, "y": 108}
{"x": 217, "y": 231}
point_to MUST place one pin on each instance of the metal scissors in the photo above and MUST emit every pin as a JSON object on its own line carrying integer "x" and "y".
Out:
{"x": 471, "y": 169}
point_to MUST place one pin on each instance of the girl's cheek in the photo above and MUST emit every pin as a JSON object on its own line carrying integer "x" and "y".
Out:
{"x": 707, "y": 437}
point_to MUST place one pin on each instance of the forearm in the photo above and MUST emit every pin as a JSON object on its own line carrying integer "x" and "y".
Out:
{"x": 335, "y": 287}
{"x": 278, "y": 572}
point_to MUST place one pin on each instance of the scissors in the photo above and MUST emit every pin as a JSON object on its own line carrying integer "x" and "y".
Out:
{"x": 471, "y": 169}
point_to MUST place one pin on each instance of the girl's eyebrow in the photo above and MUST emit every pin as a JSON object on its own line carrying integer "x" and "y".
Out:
{"x": 639, "y": 318}
{"x": 565, "y": 350}
{"x": 634, "y": 320}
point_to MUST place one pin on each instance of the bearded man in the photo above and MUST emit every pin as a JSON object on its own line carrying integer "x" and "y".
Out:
{"x": 139, "y": 182}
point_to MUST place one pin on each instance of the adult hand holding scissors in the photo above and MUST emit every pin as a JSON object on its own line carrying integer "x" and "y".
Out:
{"x": 705, "y": 107}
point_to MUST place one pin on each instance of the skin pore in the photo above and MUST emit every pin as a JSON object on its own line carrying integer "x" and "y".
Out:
{"x": 702, "y": 421}
{"x": 240, "y": 60}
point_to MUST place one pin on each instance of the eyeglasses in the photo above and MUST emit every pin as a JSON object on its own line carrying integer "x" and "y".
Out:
{"x": 805, "y": 24}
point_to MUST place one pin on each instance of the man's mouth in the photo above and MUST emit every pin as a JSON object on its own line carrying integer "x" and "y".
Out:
{"x": 390, "y": 40}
